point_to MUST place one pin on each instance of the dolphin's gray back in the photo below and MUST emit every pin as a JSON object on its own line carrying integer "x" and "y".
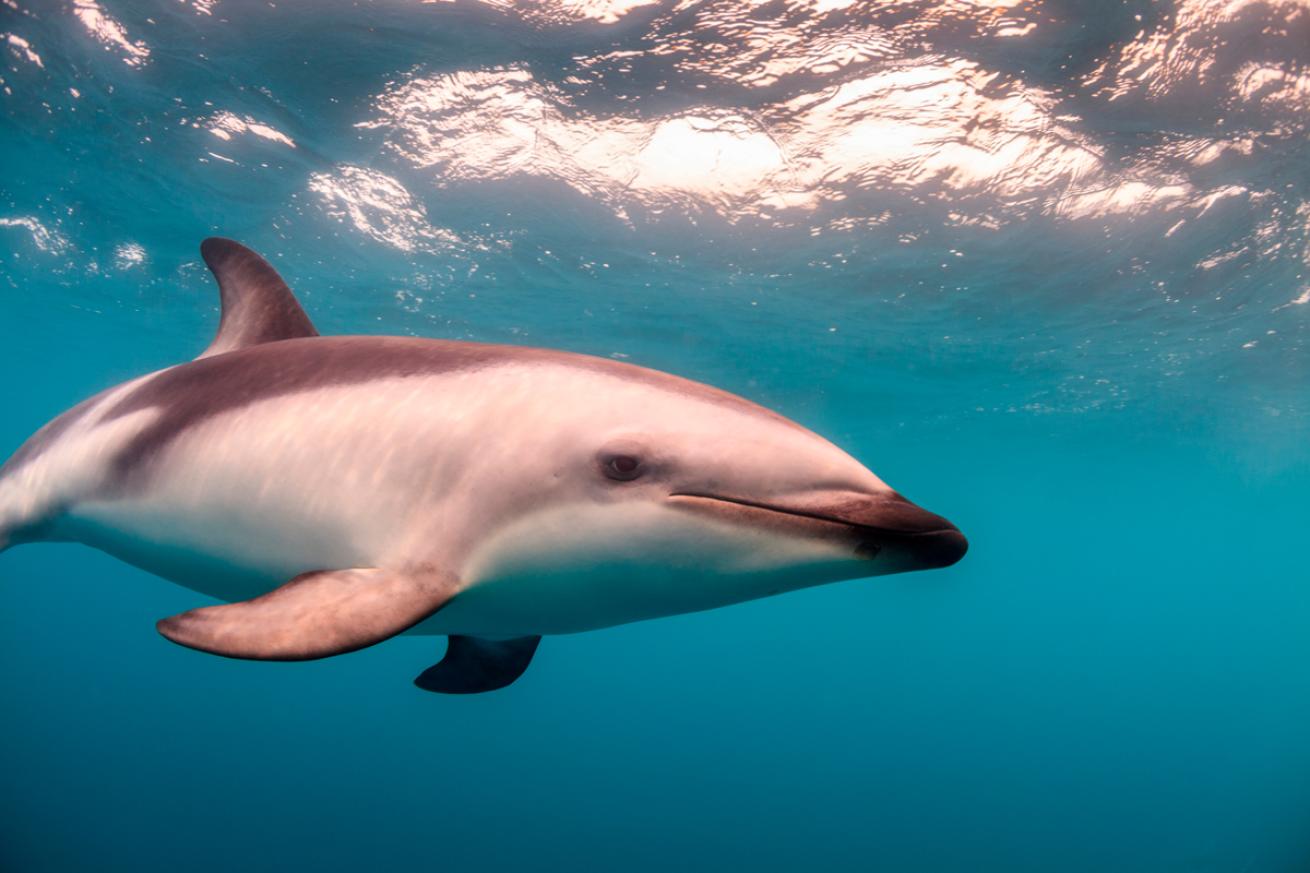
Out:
{"x": 190, "y": 394}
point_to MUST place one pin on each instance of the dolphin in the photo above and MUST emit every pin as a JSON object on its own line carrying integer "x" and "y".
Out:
{"x": 338, "y": 491}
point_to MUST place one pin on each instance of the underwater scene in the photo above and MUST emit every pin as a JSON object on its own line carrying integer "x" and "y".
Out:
{"x": 1040, "y": 268}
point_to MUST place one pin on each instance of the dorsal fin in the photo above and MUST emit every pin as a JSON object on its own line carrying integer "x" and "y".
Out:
{"x": 258, "y": 307}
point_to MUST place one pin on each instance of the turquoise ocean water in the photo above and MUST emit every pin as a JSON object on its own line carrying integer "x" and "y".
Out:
{"x": 1043, "y": 267}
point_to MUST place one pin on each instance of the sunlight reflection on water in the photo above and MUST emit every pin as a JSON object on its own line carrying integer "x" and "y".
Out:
{"x": 1143, "y": 162}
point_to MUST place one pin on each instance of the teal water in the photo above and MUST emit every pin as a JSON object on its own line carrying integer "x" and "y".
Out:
{"x": 1043, "y": 268}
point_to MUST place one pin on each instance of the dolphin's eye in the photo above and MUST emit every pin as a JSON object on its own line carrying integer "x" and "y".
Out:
{"x": 624, "y": 468}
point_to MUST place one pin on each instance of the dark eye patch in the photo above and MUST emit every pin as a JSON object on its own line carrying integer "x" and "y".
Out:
{"x": 624, "y": 468}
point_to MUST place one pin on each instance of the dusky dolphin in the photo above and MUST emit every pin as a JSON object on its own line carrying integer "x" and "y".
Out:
{"x": 341, "y": 490}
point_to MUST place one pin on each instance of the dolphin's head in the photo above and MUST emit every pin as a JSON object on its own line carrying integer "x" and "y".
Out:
{"x": 778, "y": 480}
{"x": 685, "y": 497}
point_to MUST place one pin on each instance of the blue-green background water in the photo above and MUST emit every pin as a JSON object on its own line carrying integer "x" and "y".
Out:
{"x": 1043, "y": 268}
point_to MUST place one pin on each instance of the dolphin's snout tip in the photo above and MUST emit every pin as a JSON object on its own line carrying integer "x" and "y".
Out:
{"x": 942, "y": 549}
{"x": 923, "y": 550}
{"x": 909, "y": 534}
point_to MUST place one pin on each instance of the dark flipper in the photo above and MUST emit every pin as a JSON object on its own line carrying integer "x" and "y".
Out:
{"x": 258, "y": 307}
{"x": 315, "y": 615}
{"x": 474, "y": 665}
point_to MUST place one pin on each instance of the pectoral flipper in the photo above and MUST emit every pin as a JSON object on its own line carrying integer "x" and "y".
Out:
{"x": 315, "y": 615}
{"x": 474, "y": 665}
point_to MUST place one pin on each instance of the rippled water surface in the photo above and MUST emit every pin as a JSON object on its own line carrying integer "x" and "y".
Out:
{"x": 1044, "y": 266}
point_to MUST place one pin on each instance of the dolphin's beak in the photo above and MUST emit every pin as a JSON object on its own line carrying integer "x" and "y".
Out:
{"x": 905, "y": 532}
{"x": 886, "y": 526}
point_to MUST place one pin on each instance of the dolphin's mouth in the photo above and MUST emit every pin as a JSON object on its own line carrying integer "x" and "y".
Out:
{"x": 876, "y": 524}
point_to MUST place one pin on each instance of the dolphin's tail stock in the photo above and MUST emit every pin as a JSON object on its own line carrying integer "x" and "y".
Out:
{"x": 33, "y": 491}
{"x": 12, "y": 520}
{"x": 9, "y": 516}
{"x": 7, "y": 524}
{"x": 19, "y": 522}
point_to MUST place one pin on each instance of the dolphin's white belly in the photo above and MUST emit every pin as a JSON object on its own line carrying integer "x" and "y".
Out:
{"x": 581, "y": 567}
{"x": 224, "y": 555}
{"x": 247, "y": 500}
